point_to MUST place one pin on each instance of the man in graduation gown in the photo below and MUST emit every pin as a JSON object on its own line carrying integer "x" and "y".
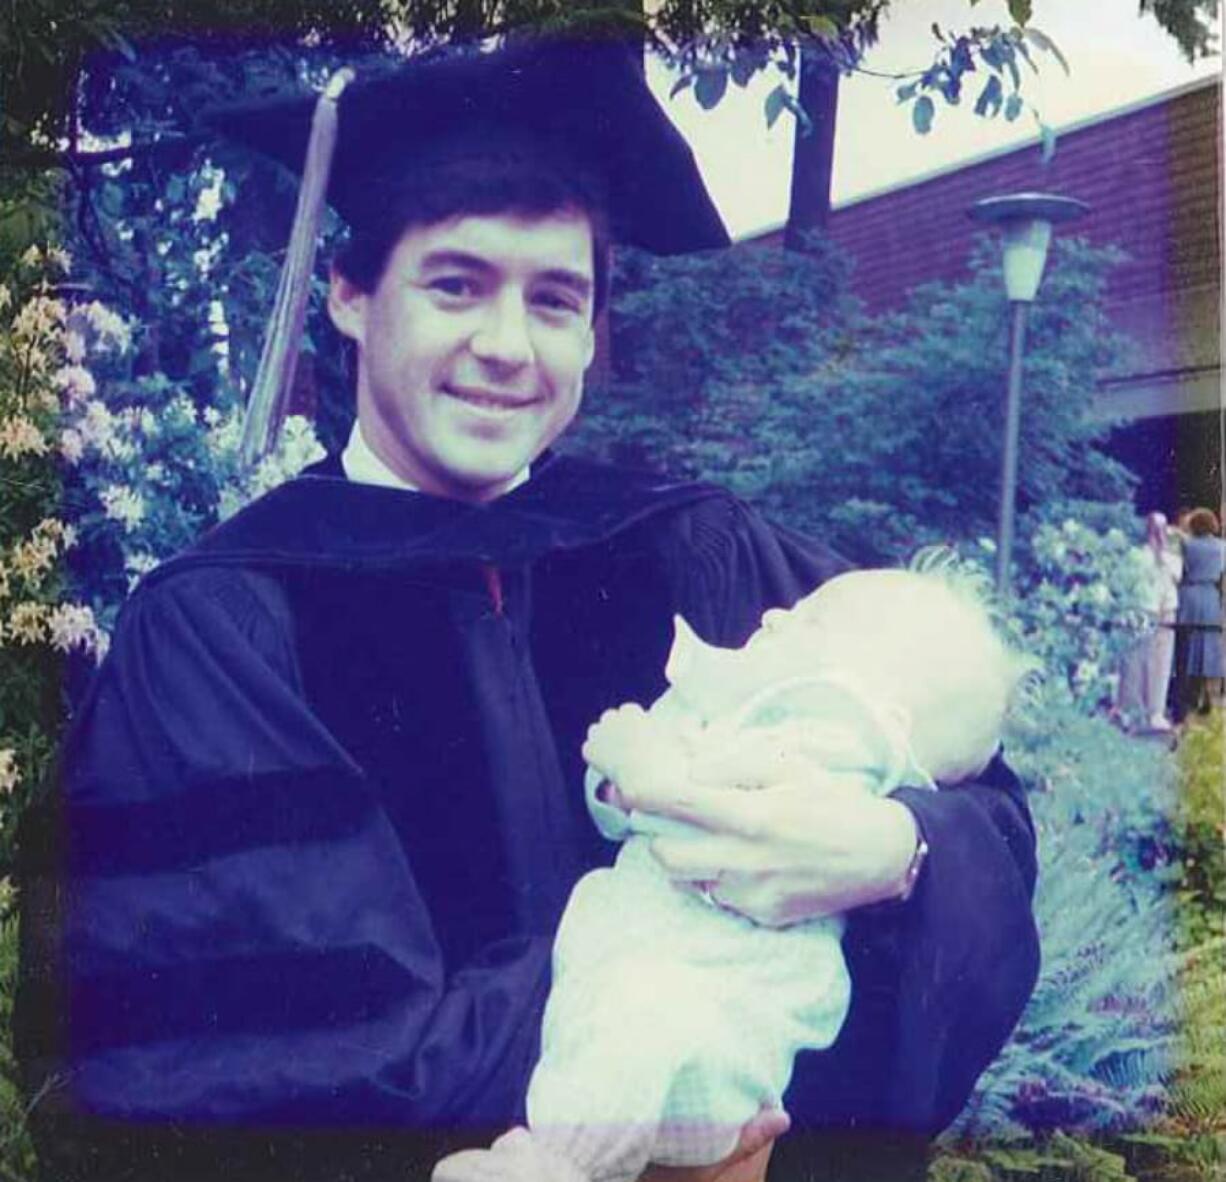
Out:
{"x": 321, "y": 810}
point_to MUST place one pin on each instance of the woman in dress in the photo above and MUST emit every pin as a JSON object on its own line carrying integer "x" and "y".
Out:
{"x": 1200, "y": 610}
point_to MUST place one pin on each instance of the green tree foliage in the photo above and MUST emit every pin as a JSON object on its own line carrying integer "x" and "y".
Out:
{"x": 46, "y": 46}
{"x": 753, "y": 368}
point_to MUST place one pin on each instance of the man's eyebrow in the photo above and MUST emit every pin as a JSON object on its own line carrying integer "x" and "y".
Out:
{"x": 578, "y": 282}
{"x": 456, "y": 258}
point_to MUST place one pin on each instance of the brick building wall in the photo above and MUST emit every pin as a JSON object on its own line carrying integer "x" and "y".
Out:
{"x": 1151, "y": 174}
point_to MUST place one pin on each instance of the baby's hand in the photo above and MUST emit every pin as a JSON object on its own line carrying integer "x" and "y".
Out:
{"x": 516, "y": 1156}
{"x": 628, "y": 745}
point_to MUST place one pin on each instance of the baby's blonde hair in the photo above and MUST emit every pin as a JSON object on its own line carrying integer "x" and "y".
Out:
{"x": 1006, "y": 674}
{"x": 935, "y": 645}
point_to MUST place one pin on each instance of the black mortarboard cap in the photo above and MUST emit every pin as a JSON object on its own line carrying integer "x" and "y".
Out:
{"x": 580, "y": 102}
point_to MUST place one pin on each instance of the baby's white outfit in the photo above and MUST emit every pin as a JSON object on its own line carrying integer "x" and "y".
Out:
{"x": 672, "y": 1022}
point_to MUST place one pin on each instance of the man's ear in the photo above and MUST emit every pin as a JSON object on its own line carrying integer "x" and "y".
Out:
{"x": 589, "y": 347}
{"x": 347, "y": 306}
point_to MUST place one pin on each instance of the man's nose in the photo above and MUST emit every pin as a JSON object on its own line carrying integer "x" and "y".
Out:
{"x": 503, "y": 338}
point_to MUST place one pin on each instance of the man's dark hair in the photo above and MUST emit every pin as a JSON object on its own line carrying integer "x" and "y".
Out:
{"x": 515, "y": 179}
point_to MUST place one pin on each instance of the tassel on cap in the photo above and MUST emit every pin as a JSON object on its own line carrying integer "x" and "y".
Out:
{"x": 275, "y": 376}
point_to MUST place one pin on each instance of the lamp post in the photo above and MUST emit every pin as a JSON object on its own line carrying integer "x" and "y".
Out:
{"x": 1025, "y": 221}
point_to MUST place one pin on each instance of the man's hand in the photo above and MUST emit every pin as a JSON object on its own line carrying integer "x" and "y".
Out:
{"x": 515, "y": 1157}
{"x": 519, "y": 1157}
{"x": 746, "y": 1163}
{"x": 789, "y": 852}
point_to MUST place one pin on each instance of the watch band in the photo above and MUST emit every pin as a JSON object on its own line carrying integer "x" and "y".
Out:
{"x": 914, "y": 868}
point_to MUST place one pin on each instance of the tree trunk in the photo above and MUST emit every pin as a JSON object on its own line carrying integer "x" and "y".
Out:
{"x": 813, "y": 154}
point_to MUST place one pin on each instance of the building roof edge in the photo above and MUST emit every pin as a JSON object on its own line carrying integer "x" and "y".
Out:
{"x": 1028, "y": 144}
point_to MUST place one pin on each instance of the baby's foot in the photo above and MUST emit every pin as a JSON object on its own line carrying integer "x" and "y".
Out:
{"x": 516, "y": 1156}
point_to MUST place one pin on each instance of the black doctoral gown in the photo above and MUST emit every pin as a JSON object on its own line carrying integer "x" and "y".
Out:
{"x": 290, "y": 912}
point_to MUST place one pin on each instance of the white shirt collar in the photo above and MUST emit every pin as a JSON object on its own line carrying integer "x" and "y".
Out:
{"x": 362, "y": 466}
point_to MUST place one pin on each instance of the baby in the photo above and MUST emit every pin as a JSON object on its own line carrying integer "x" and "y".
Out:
{"x": 671, "y": 1022}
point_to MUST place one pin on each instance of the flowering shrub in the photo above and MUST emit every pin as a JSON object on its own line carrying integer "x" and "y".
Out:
{"x": 137, "y": 468}
{"x": 37, "y": 620}
{"x": 1081, "y": 606}
{"x": 148, "y": 469}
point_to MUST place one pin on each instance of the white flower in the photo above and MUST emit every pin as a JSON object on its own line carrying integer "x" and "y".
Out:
{"x": 27, "y": 622}
{"x": 32, "y": 558}
{"x": 19, "y": 436}
{"x": 148, "y": 423}
{"x": 102, "y": 641}
{"x": 223, "y": 438}
{"x": 123, "y": 504}
{"x": 38, "y": 318}
{"x": 74, "y": 347}
{"x": 59, "y": 258}
{"x": 32, "y": 257}
{"x": 139, "y": 562}
{"x": 298, "y": 446}
{"x": 10, "y": 774}
{"x": 76, "y": 382}
{"x": 138, "y": 565}
{"x": 181, "y": 411}
{"x": 111, "y": 328}
{"x": 72, "y": 445}
{"x": 6, "y": 298}
{"x": 208, "y": 204}
{"x": 72, "y": 625}
{"x": 97, "y": 425}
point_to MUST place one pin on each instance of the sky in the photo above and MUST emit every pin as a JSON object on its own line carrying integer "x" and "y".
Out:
{"x": 1117, "y": 58}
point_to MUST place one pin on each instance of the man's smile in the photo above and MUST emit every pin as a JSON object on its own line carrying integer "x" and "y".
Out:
{"x": 492, "y": 400}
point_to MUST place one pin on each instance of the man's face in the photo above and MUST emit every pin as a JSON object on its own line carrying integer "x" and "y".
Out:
{"x": 472, "y": 348}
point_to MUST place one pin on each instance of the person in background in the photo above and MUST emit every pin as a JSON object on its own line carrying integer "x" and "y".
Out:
{"x": 1145, "y": 674}
{"x": 1199, "y": 615}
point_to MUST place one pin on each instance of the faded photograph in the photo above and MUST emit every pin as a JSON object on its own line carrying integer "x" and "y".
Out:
{"x": 625, "y": 592}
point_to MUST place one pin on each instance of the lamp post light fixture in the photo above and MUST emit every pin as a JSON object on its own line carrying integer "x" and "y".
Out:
{"x": 1025, "y": 221}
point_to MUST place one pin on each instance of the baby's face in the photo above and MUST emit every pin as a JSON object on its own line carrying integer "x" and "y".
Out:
{"x": 905, "y": 640}
{"x": 789, "y": 643}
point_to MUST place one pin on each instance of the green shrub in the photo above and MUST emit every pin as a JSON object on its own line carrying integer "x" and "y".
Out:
{"x": 1198, "y": 826}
